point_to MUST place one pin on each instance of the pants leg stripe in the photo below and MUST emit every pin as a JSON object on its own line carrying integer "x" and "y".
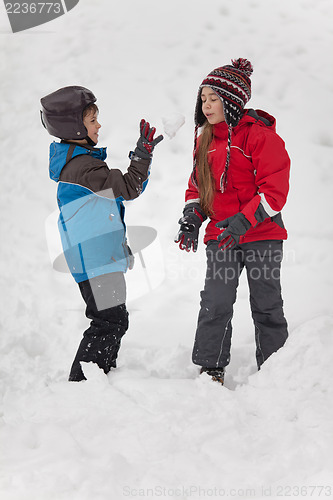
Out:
{"x": 258, "y": 342}
{"x": 221, "y": 349}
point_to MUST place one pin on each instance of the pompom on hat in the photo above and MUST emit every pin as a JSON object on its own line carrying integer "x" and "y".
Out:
{"x": 233, "y": 85}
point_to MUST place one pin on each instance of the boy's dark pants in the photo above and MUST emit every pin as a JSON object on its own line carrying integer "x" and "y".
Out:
{"x": 262, "y": 260}
{"x": 105, "y": 298}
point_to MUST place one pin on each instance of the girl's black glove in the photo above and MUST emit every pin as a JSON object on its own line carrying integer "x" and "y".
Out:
{"x": 146, "y": 142}
{"x": 236, "y": 226}
{"x": 190, "y": 223}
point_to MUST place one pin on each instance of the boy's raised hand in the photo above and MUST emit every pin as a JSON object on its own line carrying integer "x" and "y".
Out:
{"x": 146, "y": 142}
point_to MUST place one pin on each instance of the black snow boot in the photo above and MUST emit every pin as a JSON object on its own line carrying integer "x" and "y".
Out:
{"x": 101, "y": 350}
{"x": 76, "y": 374}
{"x": 217, "y": 374}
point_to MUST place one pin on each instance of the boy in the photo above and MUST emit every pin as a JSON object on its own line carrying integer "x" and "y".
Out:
{"x": 91, "y": 222}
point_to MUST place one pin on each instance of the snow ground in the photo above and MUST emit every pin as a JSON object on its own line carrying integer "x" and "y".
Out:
{"x": 153, "y": 428}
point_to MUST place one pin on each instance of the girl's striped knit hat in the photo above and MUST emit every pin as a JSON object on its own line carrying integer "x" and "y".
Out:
{"x": 233, "y": 86}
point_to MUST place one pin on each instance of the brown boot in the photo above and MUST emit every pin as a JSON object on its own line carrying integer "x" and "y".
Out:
{"x": 217, "y": 374}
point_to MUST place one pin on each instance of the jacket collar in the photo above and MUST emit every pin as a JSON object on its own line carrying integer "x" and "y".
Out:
{"x": 99, "y": 153}
{"x": 220, "y": 130}
{"x": 257, "y": 116}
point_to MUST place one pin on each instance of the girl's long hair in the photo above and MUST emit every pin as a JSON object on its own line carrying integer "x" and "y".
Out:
{"x": 205, "y": 177}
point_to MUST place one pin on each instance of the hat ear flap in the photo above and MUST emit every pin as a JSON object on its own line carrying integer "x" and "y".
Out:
{"x": 232, "y": 113}
{"x": 199, "y": 117}
{"x": 225, "y": 109}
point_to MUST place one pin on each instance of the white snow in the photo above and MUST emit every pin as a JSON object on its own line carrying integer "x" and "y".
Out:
{"x": 154, "y": 428}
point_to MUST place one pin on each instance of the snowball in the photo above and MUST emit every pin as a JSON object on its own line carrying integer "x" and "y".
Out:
{"x": 172, "y": 124}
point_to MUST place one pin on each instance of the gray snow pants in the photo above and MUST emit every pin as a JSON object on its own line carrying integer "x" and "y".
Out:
{"x": 262, "y": 260}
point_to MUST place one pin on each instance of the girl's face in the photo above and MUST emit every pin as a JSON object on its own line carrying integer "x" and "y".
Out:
{"x": 92, "y": 125}
{"x": 212, "y": 106}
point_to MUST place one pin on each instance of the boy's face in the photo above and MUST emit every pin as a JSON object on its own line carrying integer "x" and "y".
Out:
{"x": 92, "y": 125}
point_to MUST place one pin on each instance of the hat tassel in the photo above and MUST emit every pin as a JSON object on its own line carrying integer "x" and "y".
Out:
{"x": 224, "y": 180}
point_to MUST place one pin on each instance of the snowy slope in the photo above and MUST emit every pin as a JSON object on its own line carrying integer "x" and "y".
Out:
{"x": 153, "y": 428}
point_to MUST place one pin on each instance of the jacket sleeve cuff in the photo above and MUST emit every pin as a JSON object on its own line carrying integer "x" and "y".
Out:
{"x": 193, "y": 206}
{"x": 258, "y": 210}
{"x": 250, "y": 209}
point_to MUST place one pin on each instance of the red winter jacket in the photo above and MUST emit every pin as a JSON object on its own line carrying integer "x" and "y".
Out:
{"x": 258, "y": 173}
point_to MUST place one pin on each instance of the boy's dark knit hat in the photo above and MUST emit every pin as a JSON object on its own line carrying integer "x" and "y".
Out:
{"x": 233, "y": 86}
{"x": 62, "y": 112}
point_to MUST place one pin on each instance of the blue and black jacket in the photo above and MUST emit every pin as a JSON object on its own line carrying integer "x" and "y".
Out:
{"x": 90, "y": 198}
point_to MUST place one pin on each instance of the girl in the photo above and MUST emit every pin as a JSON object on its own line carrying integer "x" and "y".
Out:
{"x": 240, "y": 181}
